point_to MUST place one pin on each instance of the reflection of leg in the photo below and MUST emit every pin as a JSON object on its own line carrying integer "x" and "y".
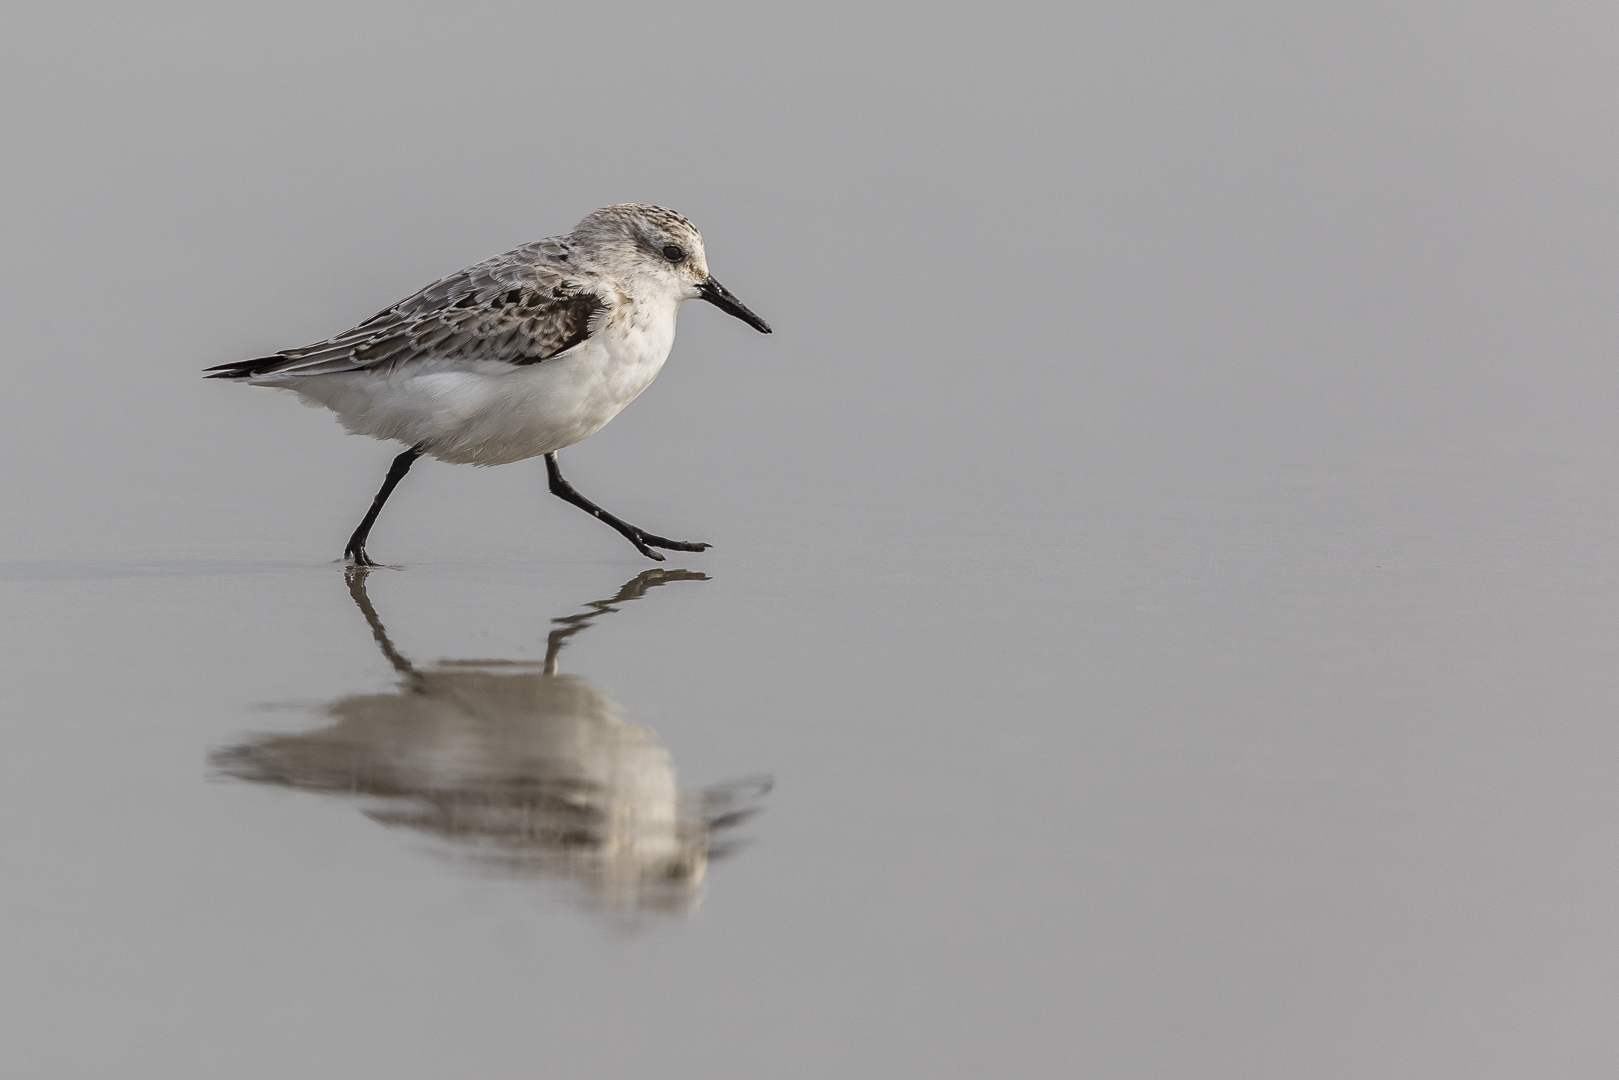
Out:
{"x": 356, "y": 576}
{"x": 355, "y": 552}
{"x": 633, "y": 589}
{"x": 644, "y": 541}
{"x": 637, "y": 586}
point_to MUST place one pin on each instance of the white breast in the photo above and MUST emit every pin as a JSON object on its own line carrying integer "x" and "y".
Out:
{"x": 491, "y": 413}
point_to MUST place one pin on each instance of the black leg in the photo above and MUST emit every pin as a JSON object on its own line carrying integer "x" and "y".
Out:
{"x": 355, "y": 552}
{"x": 644, "y": 541}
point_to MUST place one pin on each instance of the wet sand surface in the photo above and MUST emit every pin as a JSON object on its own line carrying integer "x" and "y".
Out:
{"x": 1162, "y": 618}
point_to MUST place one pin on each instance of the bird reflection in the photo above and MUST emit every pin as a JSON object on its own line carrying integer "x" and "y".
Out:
{"x": 528, "y": 770}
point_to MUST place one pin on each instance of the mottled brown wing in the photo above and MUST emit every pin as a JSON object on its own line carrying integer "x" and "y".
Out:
{"x": 523, "y": 307}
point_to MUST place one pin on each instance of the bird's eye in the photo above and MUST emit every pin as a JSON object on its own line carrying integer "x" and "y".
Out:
{"x": 673, "y": 253}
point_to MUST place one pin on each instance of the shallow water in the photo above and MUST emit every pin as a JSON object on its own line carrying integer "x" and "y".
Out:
{"x": 1162, "y": 614}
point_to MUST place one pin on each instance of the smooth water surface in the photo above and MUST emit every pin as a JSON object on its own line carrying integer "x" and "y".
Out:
{"x": 1163, "y": 618}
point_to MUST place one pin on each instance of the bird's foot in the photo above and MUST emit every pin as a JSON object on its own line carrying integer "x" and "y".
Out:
{"x": 644, "y": 543}
{"x": 356, "y": 557}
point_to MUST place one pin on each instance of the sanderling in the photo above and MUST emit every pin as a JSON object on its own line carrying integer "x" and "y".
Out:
{"x": 514, "y": 357}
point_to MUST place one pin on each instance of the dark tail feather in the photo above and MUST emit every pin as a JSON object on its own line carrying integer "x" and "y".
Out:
{"x": 244, "y": 369}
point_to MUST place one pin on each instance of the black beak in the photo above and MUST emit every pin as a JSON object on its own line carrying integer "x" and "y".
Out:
{"x": 721, "y": 297}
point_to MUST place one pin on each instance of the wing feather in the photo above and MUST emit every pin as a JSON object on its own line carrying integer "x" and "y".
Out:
{"x": 523, "y": 307}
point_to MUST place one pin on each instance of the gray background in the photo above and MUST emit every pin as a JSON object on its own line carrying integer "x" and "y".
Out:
{"x": 1165, "y": 555}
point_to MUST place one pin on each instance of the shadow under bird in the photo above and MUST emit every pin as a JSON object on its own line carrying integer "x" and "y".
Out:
{"x": 514, "y": 357}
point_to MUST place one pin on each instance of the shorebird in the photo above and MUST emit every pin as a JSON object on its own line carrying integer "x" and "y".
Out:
{"x": 515, "y": 357}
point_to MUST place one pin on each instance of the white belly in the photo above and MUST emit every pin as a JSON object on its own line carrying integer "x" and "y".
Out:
{"x": 490, "y": 413}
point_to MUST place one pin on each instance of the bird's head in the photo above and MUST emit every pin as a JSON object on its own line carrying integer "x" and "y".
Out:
{"x": 655, "y": 250}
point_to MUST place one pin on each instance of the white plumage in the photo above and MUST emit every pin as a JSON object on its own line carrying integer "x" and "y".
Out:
{"x": 488, "y": 412}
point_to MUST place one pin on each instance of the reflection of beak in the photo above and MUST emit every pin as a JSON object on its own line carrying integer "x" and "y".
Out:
{"x": 721, "y": 297}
